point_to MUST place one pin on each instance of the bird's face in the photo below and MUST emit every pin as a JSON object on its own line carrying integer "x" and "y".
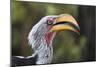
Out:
{"x": 49, "y": 25}
{"x": 59, "y": 23}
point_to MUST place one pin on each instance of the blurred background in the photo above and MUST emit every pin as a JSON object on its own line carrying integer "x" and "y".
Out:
{"x": 68, "y": 47}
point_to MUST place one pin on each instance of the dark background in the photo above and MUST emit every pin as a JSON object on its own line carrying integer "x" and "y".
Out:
{"x": 68, "y": 47}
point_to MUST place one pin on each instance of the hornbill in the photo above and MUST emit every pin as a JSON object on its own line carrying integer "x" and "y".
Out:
{"x": 41, "y": 36}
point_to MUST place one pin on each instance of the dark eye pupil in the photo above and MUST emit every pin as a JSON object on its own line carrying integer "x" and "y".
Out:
{"x": 49, "y": 22}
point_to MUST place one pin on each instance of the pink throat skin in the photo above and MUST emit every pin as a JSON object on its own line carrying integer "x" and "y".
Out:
{"x": 49, "y": 37}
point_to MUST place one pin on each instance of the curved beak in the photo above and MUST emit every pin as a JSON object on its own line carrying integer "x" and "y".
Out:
{"x": 65, "y": 22}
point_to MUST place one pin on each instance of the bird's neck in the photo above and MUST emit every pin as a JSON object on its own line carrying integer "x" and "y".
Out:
{"x": 45, "y": 49}
{"x": 45, "y": 55}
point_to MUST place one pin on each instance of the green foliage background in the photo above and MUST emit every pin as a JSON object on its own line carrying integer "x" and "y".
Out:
{"x": 68, "y": 46}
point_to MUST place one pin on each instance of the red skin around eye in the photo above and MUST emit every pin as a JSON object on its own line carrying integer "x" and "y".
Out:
{"x": 51, "y": 20}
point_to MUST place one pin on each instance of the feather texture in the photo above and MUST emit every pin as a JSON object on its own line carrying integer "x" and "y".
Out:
{"x": 38, "y": 41}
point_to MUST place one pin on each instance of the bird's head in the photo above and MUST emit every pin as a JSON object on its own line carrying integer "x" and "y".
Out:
{"x": 49, "y": 25}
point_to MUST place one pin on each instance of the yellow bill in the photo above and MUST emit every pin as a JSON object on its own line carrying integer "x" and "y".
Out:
{"x": 65, "y": 22}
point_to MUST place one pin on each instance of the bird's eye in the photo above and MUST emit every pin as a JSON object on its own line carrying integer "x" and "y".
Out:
{"x": 49, "y": 22}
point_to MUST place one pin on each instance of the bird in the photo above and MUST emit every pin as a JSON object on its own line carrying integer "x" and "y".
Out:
{"x": 41, "y": 37}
